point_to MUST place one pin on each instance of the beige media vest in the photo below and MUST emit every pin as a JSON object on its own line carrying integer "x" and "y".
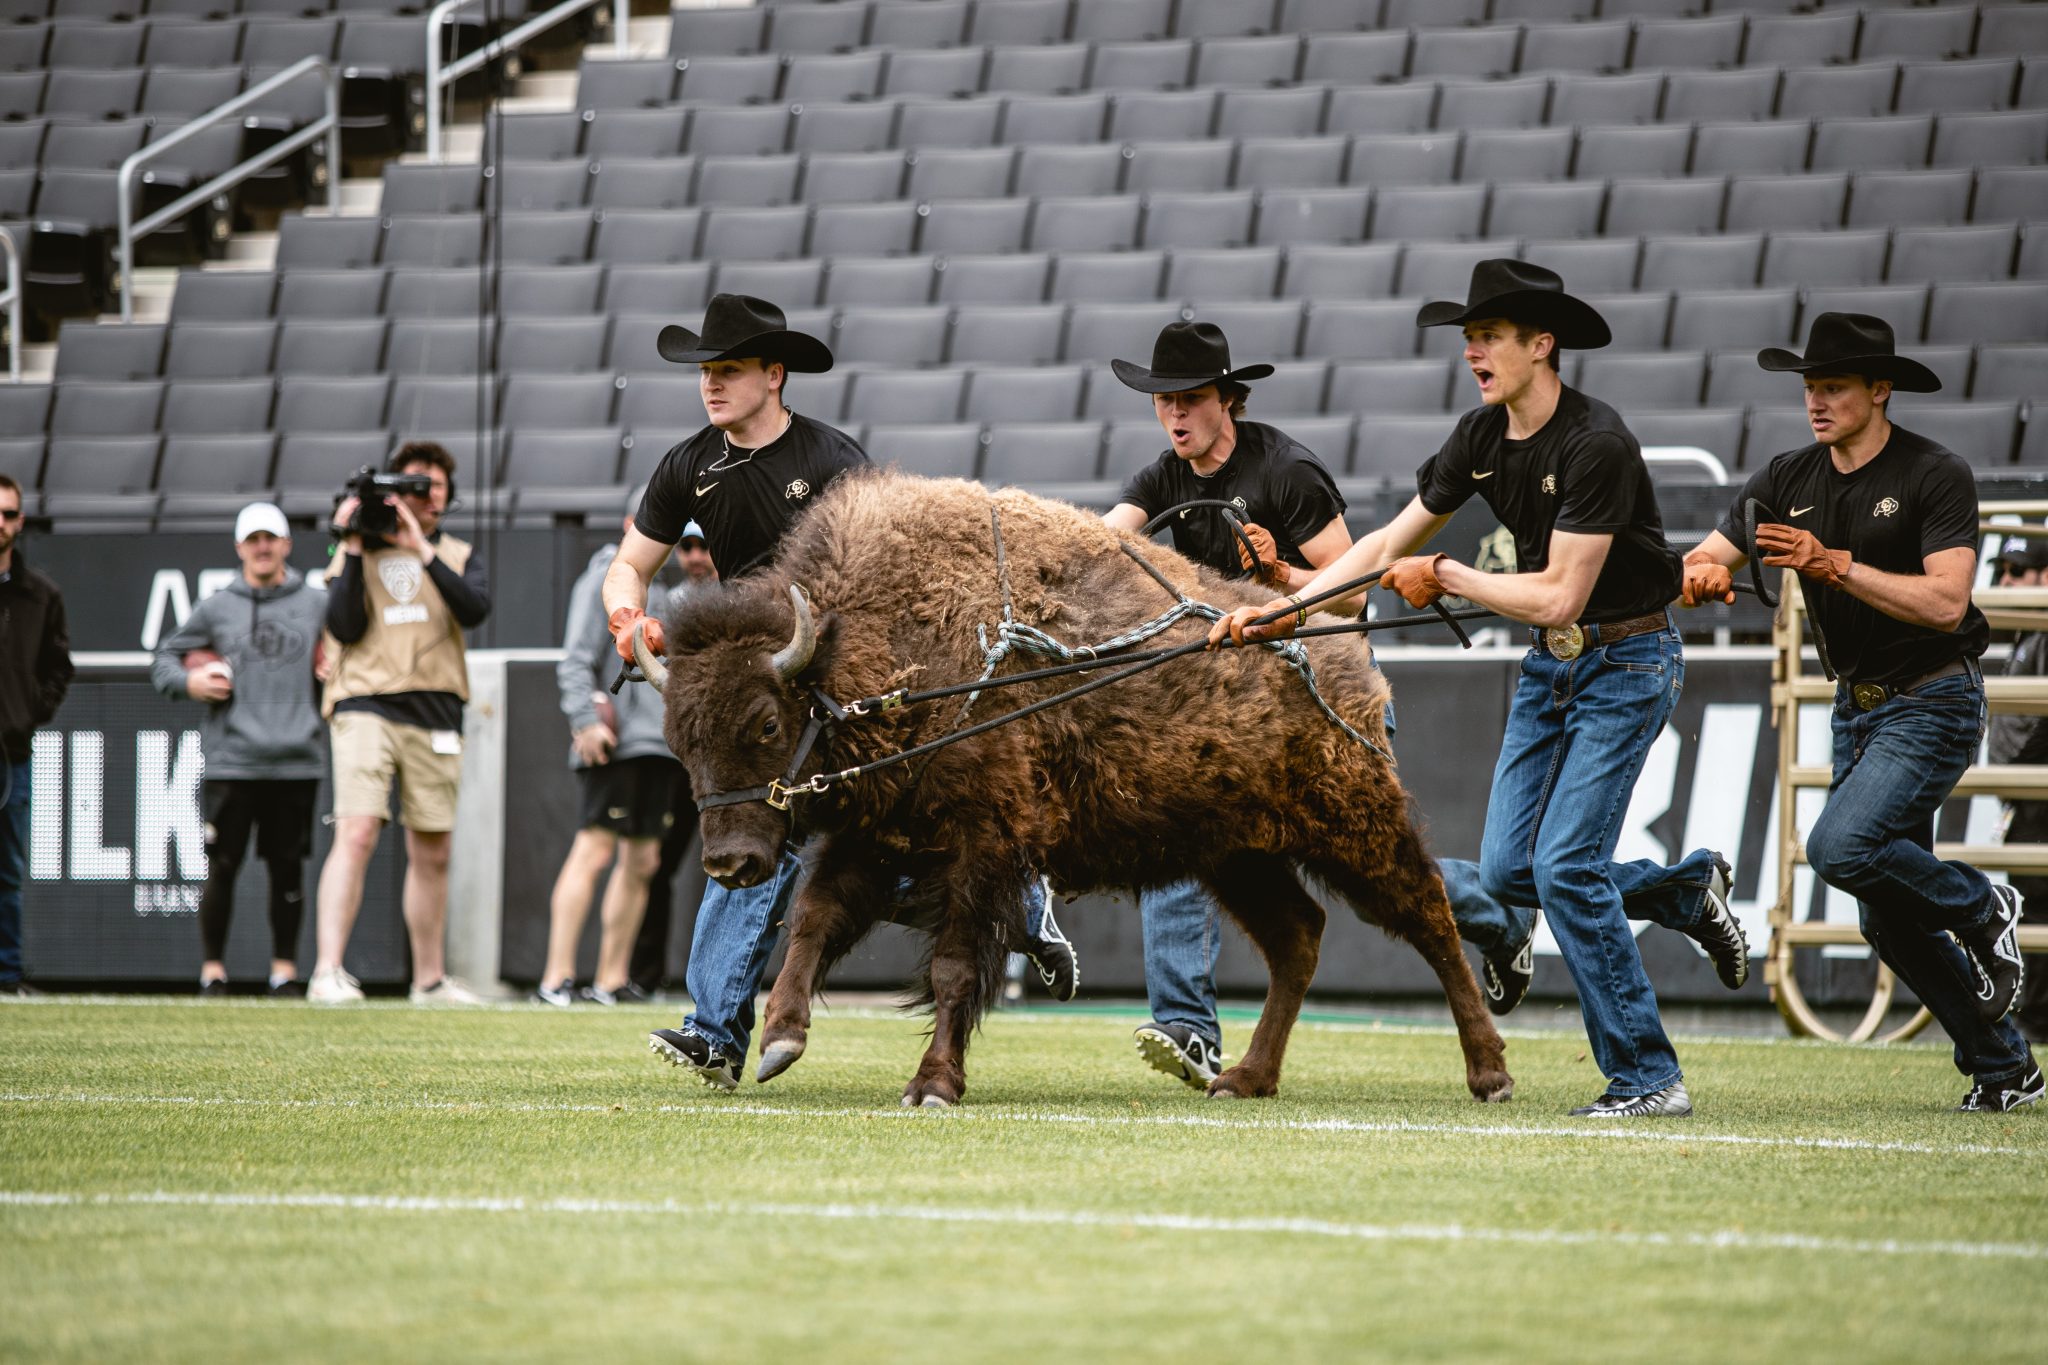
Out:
{"x": 413, "y": 643}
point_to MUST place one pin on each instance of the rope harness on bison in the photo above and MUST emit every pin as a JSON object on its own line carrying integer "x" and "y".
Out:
{"x": 1012, "y": 637}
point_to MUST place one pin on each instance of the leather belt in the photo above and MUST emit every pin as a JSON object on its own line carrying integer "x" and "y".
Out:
{"x": 1568, "y": 642}
{"x": 1868, "y": 696}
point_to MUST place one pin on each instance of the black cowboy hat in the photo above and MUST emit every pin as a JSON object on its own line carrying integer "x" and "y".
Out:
{"x": 1186, "y": 356}
{"x": 1852, "y": 343}
{"x": 737, "y": 326}
{"x": 1524, "y": 293}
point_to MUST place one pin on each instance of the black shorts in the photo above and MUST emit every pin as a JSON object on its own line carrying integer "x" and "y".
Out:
{"x": 280, "y": 811}
{"x": 633, "y": 798}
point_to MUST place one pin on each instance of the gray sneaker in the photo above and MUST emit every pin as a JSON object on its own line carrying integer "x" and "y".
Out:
{"x": 1719, "y": 934}
{"x": 561, "y": 994}
{"x": 1669, "y": 1103}
{"x": 1178, "y": 1051}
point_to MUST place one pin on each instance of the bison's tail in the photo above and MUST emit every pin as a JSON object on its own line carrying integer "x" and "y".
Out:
{"x": 975, "y": 910}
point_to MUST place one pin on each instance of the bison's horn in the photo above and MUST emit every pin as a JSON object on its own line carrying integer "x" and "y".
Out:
{"x": 651, "y": 666}
{"x": 794, "y": 657}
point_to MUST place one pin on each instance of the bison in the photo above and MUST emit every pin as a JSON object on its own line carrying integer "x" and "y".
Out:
{"x": 1218, "y": 766}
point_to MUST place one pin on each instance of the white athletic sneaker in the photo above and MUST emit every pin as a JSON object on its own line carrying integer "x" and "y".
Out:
{"x": 446, "y": 991}
{"x": 333, "y": 986}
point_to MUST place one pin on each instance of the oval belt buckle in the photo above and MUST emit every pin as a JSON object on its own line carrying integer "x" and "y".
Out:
{"x": 1868, "y": 696}
{"x": 1564, "y": 642}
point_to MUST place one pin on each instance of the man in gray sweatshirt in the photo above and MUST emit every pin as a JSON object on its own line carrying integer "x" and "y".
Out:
{"x": 630, "y": 784}
{"x": 248, "y": 653}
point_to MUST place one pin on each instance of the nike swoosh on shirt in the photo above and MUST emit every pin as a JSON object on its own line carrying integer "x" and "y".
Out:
{"x": 1487, "y": 475}
{"x": 707, "y": 488}
{"x": 1802, "y": 511}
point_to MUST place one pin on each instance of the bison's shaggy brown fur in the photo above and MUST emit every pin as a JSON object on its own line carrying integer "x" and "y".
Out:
{"x": 1217, "y": 766}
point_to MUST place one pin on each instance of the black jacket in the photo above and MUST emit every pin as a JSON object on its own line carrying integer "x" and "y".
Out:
{"x": 35, "y": 657}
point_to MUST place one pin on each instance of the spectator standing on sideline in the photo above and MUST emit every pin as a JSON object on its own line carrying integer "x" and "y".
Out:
{"x": 396, "y": 611}
{"x": 629, "y": 784}
{"x": 35, "y": 671}
{"x": 2024, "y": 739}
{"x": 649, "y": 967}
{"x": 264, "y": 744}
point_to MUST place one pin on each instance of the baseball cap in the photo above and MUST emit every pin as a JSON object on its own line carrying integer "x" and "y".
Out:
{"x": 261, "y": 516}
{"x": 2024, "y": 554}
{"x": 692, "y": 531}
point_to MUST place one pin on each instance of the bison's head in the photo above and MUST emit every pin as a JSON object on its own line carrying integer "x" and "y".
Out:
{"x": 735, "y": 686}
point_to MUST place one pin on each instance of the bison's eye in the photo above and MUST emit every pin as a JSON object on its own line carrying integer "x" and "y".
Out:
{"x": 770, "y": 729}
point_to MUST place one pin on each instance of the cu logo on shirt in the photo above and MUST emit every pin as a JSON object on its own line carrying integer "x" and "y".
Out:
{"x": 1550, "y": 483}
{"x": 797, "y": 489}
{"x": 1885, "y": 507}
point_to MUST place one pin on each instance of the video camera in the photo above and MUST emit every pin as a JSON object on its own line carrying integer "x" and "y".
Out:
{"x": 376, "y": 520}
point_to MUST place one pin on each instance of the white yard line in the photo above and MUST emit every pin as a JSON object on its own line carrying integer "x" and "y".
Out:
{"x": 1671, "y": 1133}
{"x": 1727, "y": 1239}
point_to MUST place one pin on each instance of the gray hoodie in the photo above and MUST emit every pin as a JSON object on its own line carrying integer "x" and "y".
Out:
{"x": 590, "y": 663}
{"x": 270, "y": 727}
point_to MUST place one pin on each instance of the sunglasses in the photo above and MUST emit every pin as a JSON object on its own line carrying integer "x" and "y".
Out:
{"x": 10, "y": 514}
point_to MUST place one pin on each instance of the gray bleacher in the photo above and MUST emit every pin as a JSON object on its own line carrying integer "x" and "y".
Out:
{"x": 978, "y": 204}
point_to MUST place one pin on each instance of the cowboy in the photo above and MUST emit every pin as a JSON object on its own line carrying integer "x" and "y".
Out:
{"x": 1293, "y": 516}
{"x": 744, "y": 478}
{"x": 1881, "y": 525}
{"x": 1567, "y": 478}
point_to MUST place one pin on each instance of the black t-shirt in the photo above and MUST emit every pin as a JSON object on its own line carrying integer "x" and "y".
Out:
{"x": 1914, "y": 498}
{"x": 1274, "y": 480}
{"x": 1583, "y": 472}
{"x": 744, "y": 499}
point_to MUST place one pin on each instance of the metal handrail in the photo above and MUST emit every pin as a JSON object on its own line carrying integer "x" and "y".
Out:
{"x": 1706, "y": 459}
{"x": 12, "y": 298}
{"x": 328, "y": 123}
{"x": 439, "y": 76}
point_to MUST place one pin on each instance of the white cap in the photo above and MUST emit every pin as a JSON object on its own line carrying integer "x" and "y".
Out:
{"x": 691, "y": 531}
{"x": 261, "y": 516}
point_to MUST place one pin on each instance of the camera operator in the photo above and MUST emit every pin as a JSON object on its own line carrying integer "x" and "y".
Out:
{"x": 398, "y": 599}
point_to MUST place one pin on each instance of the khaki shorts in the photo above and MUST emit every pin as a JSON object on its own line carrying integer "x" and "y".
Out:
{"x": 369, "y": 751}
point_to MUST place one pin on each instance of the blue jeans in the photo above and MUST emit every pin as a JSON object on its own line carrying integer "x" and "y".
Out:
{"x": 1893, "y": 767}
{"x": 1578, "y": 733}
{"x": 13, "y": 865}
{"x": 735, "y": 933}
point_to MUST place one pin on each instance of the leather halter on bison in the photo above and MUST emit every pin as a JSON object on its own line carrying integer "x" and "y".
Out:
{"x": 1217, "y": 766}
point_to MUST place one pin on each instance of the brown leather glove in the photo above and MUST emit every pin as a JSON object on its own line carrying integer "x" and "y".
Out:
{"x": 1788, "y": 547}
{"x": 1238, "y": 625}
{"x": 1415, "y": 579}
{"x": 621, "y": 622}
{"x": 1706, "y": 580}
{"x": 1268, "y": 567}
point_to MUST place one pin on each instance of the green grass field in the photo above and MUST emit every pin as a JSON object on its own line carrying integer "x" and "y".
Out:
{"x": 240, "y": 1181}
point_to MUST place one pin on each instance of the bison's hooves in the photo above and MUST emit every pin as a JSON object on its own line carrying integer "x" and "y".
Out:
{"x": 1497, "y": 1088}
{"x": 778, "y": 1057}
{"x": 931, "y": 1092}
{"x": 928, "y": 1102}
{"x": 1236, "y": 1085}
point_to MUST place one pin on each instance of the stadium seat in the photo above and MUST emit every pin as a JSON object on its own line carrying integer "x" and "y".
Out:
{"x": 92, "y": 95}
{"x": 1586, "y": 101}
{"x": 92, "y": 146}
{"x": 1060, "y": 119}
{"x": 959, "y": 173}
{"x": 1018, "y": 21}
{"x": 1775, "y": 148}
{"x": 1872, "y": 144}
{"x": 1294, "y": 386}
{"x": 1380, "y": 108}
{"x": 21, "y": 459}
{"x": 1088, "y": 168}
{"x": 1399, "y": 159}
{"x": 1223, "y": 274}
{"x": 1636, "y": 207}
{"x": 674, "y": 288}
{"x": 917, "y": 397}
{"x": 642, "y": 182}
{"x": 835, "y": 76}
{"x": 1734, "y": 379}
{"x": 1432, "y": 270}
{"x": 973, "y": 225}
{"x": 106, "y": 407}
{"x": 1774, "y": 428}
{"x": 530, "y": 186}
{"x": 1290, "y": 162}
{"x": 1215, "y": 219}
{"x": 950, "y": 123}
{"x": 1104, "y": 21}
{"x": 328, "y": 243}
{"x": 101, "y": 464}
{"x": 1221, "y": 18}
{"x": 431, "y": 189}
{"x": 1670, "y": 379}
{"x": 439, "y": 346}
{"x": 2019, "y": 138}
{"x": 214, "y": 44}
{"x": 1730, "y": 261}
{"x": 887, "y": 280}
{"x": 1837, "y": 91}
{"x": 217, "y": 464}
{"x": 1382, "y": 330}
{"x": 216, "y": 350}
{"x": 547, "y": 237}
{"x": 1786, "y": 39}
{"x": 2010, "y": 371}
{"x": 1597, "y": 48}
{"x": 717, "y": 32}
{"x": 2012, "y": 29}
{"x": 917, "y": 23}
{"x": 614, "y": 133}
{"x": 1060, "y": 69}
{"x": 663, "y": 405}
{"x": 317, "y": 294}
{"x": 1296, "y": 217}
{"x": 739, "y": 130}
{"x": 1956, "y": 87}
{"x": 1161, "y": 114}
{"x": 1632, "y": 150}
{"x": 1909, "y": 199}
{"x": 1716, "y": 431}
{"x": 1519, "y": 102}
{"x": 1703, "y": 320}
{"x": 549, "y": 290}
{"x": 1983, "y": 313}
{"x": 1221, "y": 63}
{"x": 1464, "y": 52}
{"x": 1340, "y": 272}
{"x": 428, "y": 403}
{"x": 1179, "y": 166}
{"x": 852, "y": 177}
{"x": 1087, "y": 223}
{"x": 344, "y": 347}
{"x": 645, "y": 237}
{"x": 430, "y": 293}
{"x": 944, "y": 450}
{"x": 747, "y": 181}
{"x": 1099, "y": 332}
{"x": 1042, "y": 452}
{"x": 93, "y": 350}
{"x": 1131, "y": 444}
{"x": 2008, "y": 194}
{"x": 999, "y": 278}
{"x": 752, "y": 234}
{"x": 199, "y": 407}
{"x": 816, "y": 28}
{"x": 311, "y": 403}
{"x": 1141, "y": 66}
{"x": 822, "y": 396}
{"x": 442, "y": 240}
{"x": 1770, "y": 202}
{"x": 1825, "y": 258}
{"x": 892, "y": 336}
{"x": 563, "y": 401}
{"x": 1107, "y": 276}
{"x": 1269, "y": 329}
{"x": 1023, "y": 393}
{"x": 1638, "y": 321}
{"x": 790, "y": 284}
{"x": 1556, "y": 211}
{"x": 1601, "y": 265}
{"x": 1943, "y": 32}
{"x": 1688, "y": 44}
{"x": 1394, "y": 447}
{"x": 24, "y": 409}
{"x": 1018, "y": 334}
{"x": 1701, "y": 95}
{"x": 171, "y": 93}
{"x": 1904, "y": 306}
{"x": 1516, "y": 155}
{"x": 1985, "y": 434}
{"x": 1373, "y": 387}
